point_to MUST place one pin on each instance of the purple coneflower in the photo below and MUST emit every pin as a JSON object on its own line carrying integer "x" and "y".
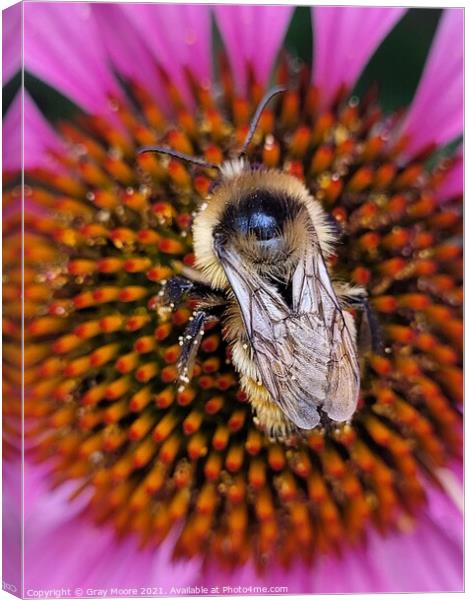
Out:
{"x": 131, "y": 481}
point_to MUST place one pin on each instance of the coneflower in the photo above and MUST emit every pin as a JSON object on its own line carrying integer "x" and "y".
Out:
{"x": 186, "y": 468}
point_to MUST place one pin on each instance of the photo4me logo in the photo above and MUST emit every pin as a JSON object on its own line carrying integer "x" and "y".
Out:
{"x": 227, "y": 589}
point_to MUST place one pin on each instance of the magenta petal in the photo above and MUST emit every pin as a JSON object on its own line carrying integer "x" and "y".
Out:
{"x": 178, "y": 36}
{"x": 436, "y": 113}
{"x": 39, "y": 137}
{"x": 11, "y": 510}
{"x": 452, "y": 185}
{"x": 62, "y": 46}
{"x": 252, "y": 36}
{"x": 427, "y": 558}
{"x": 11, "y": 41}
{"x": 344, "y": 40}
{"x": 448, "y": 508}
{"x": 11, "y": 136}
{"x": 126, "y": 48}
{"x": 63, "y": 548}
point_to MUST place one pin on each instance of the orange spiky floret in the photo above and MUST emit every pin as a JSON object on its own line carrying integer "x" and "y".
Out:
{"x": 106, "y": 403}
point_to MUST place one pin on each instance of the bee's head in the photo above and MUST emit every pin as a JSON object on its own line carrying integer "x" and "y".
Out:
{"x": 262, "y": 215}
{"x": 261, "y": 225}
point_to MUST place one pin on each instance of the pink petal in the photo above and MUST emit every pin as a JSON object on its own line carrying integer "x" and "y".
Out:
{"x": 63, "y": 548}
{"x": 436, "y": 113}
{"x": 126, "y": 48}
{"x": 58, "y": 532}
{"x": 39, "y": 137}
{"x": 11, "y": 136}
{"x": 443, "y": 505}
{"x": 344, "y": 40}
{"x": 428, "y": 558}
{"x": 11, "y": 41}
{"x": 11, "y": 505}
{"x": 62, "y": 46}
{"x": 178, "y": 35}
{"x": 452, "y": 185}
{"x": 252, "y": 36}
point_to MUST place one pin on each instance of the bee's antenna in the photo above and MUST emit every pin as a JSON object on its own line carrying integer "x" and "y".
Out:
{"x": 254, "y": 121}
{"x": 179, "y": 155}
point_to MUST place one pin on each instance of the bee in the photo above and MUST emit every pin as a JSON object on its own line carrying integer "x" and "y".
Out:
{"x": 261, "y": 245}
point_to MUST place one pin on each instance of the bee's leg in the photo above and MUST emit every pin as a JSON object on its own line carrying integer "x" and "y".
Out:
{"x": 176, "y": 288}
{"x": 370, "y": 332}
{"x": 190, "y": 342}
{"x": 210, "y": 303}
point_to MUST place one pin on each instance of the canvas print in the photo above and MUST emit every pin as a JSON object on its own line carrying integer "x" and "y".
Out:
{"x": 232, "y": 315}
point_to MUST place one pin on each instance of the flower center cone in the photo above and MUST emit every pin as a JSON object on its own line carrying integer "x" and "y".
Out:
{"x": 102, "y": 406}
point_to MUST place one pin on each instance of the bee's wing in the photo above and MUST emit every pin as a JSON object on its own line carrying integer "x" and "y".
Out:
{"x": 344, "y": 380}
{"x": 296, "y": 351}
{"x": 313, "y": 293}
{"x": 274, "y": 340}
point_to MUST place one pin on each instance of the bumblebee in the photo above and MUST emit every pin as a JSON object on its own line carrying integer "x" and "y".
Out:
{"x": 261, "y": 245}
